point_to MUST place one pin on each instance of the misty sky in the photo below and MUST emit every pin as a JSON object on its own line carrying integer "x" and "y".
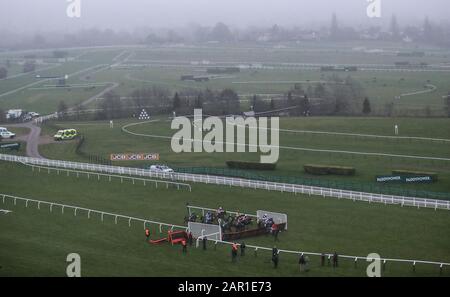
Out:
{"x": 45, "y": 15}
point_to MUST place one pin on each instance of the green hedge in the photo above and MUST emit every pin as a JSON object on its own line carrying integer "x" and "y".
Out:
{"x": 92, "y": 157}
{"x": 251, "y": 165}
{"x": 402, "y": 172}
{"x": 316, "y": 169}
{"x": 329, "y": 170}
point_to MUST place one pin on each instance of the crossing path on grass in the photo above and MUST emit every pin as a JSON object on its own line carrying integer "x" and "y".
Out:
{"x": 429, "y": 89}
{"x": 356, "y": 134}
{"x": 32, "y": 139}
{"x": 46, "y": 80}
{"x": 52, "y": 65}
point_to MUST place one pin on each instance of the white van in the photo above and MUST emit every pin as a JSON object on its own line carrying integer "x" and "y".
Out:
{"x": 4, "y": 133}
{"x": 161, "y": 168}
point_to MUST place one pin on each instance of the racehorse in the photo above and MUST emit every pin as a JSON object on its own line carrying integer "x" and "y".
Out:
{"x": 212, "y": 219}
{"x": 242, "y": 221}
{"x": 227, "y": 223}
{"x": 191, "y": 218}
{"x": 267, "y": 224}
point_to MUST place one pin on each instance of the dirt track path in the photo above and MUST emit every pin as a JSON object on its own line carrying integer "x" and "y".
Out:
{"x": 32, "y": 139}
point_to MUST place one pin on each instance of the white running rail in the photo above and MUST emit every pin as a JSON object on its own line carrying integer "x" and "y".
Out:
{"x": 88, "y": 212}
{"x": 329, "y": 256}
{"x": 239, "y": 182}
{"x": 110, "y": 176}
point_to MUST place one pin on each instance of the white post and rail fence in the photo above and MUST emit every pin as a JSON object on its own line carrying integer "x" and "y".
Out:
{"x": 237, "y": 182}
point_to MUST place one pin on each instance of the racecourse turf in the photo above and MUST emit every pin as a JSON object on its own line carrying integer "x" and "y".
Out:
{"x": 36, "y": 242}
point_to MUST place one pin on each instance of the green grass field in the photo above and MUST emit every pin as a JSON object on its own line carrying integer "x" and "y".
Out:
{"x": 380, "y": 86}
{"x": 36, "y": 242}
{"x": 101, "y": 140}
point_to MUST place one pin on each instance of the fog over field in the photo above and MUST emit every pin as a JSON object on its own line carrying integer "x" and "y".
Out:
{"x": 50, "y": 15}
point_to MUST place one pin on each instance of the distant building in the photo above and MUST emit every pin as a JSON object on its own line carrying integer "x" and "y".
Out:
{"x": 13, "y": 114}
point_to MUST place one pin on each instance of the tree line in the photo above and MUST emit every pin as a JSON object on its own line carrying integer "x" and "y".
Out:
{"x": 336, "y": 95}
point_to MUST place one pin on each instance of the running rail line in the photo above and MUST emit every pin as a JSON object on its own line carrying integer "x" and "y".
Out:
{"x": 354, "y": 258}
{"x": 89, "y": 212}
{"x": 125, "y": 129}
{"x": 238, "y": 182}
{"x": 110, "y": 176}
{"x": 171, "y": 226}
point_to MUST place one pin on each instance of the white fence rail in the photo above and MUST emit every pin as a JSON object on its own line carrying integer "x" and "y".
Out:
{"x": 111, "y": 176}
{"x": 76, "y": 210}
{"x": 145, "y": 222}
{"x": 239, "y": 182}
{"x": 42, "y": 119}
{"x": 441, "y": 265}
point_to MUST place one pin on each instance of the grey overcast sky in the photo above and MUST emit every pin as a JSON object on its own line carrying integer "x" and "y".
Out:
{"x": 45, "y": 15}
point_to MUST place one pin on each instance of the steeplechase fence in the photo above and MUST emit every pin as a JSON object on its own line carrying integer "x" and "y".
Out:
{"x": 279, "y": 218}
{"x": 77, "y": 211}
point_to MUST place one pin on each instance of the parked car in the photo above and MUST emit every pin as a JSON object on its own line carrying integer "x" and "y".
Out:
{"x": 4, "y": 133}
{"x": 33, "y": 114}
{"x": 27, "y": 118}
{"x": 161, "y": 168}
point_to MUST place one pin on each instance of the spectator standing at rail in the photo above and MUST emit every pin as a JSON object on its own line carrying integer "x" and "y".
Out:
{"x": 301, "y": 262}
{"x": 306, "y": 264}
{"x": 275, "y": 257}
{"x": 204, "y": 242}
{"x": 335, "y": 259}
{"x": 242, "y": 249}
{"x": 234, "y": 251}
{"x": 147, "y": 234}
{"x": 184, "y": 244}
{"x": 190, "y": 239}
{"x": 275, "y": 230}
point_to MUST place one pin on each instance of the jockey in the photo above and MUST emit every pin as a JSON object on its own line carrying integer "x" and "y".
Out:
{"x": 220, "y": 211}
{"x": 208, "y": 217}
